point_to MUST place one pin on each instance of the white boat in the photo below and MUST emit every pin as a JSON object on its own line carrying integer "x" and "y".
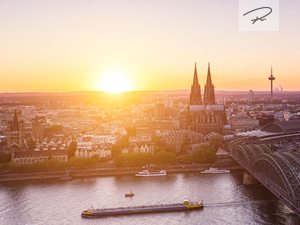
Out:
{"x": 215, "y": 170}
{"x": 147, "y": 173}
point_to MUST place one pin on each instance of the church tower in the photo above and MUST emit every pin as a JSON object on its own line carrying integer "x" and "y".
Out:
{"x": 15, "y": 134}
{"x": 195, "y": 96}
{"x": 209, "y": 90}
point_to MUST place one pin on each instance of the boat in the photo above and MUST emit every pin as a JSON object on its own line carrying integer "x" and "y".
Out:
{"x": 147, "y": 173}
{"x": 186, "y": 205}
{"x": 129, "y": 194}
{"x": 215, "y": 170}
{"x": 66, "y": 177}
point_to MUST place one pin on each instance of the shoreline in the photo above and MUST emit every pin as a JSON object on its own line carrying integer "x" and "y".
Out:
{"x": 111, "y": 171}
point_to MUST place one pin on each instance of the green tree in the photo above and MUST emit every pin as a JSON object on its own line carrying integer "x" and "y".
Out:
{"x": 131, "y": 131}
{"x": 5, "y": 158}
{"x": 159, "y": 149}
{"x": 134, "y": 159}
{"x": 202, "y": 155}
{"x": 164, "y": 157}
{"x": 82, "y": 162}
{"x": 72, "y": 149}
{"x": 214, "y": 141}
{"x": 188, "y": 159}
{"x": 156, "y": 140}
{"x": 183, "y": 147}
{"x": 96, "y": 156}
{"x": 124, "y": 141}
{"x": 115, "y": 150}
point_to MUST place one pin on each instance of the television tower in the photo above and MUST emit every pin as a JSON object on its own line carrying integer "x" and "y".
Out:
{"x": 271, "y": 78}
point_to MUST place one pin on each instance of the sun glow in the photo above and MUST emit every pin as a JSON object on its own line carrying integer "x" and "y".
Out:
{"x": 115, "y": 82}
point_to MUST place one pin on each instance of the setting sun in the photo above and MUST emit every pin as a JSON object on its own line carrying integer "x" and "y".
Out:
{"x": 115, "y": 82}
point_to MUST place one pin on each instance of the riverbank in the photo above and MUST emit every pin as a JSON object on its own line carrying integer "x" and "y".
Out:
{"x": 112, "y": 171}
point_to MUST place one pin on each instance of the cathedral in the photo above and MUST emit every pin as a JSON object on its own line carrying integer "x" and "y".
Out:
{"x": 205, "y": 116}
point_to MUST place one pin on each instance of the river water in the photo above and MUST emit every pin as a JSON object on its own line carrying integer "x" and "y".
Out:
{"x": 226, "y": 200}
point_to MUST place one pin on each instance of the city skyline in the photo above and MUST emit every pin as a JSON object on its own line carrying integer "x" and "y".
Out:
{"x": 62, "y": 47}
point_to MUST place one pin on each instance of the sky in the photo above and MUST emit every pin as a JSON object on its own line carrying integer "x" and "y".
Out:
{"x": 72, "y": 45}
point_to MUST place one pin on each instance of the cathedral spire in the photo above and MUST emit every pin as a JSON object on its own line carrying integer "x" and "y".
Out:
{"x": 195, "y": 81}
{"x": 209, "y": 90}
{"x": 195, "y": 96}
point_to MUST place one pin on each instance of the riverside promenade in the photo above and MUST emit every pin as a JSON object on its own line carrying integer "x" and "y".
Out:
{"x": 112, "y": 171}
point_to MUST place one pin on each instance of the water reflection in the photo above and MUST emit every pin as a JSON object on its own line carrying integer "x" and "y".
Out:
{"x": 56, "y": 202}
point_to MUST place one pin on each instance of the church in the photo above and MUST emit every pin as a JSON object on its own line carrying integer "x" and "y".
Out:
{"x": 205, "y": 116}
{"x": 15, "y": 133}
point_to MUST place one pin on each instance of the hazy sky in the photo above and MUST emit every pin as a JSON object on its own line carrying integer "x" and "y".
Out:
{"x": 62, "y": 45}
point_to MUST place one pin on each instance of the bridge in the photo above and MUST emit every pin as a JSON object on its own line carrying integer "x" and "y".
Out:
{"x": 278, "y": 172}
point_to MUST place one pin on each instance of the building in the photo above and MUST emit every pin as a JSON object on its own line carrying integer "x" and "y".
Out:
{"x": 37, "y": 130}
{"x": 29, "y": 157}
{"x": 204, "y": 117}
{"x": 243, "y": 123}
{"x": 283, "y": 127}
{"x": 88, "y": 153}
{"x": 15, "y": 133}
{"x": 160, "y": 111}
{"x": 176, "y": 140}
{"x": 251, "y": 96}
{"x": 282, "y": 116}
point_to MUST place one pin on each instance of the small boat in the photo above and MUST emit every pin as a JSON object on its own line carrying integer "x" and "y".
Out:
{"x": 66, "y": 177}
{"x": 186, "y": 205}
{"x": 215, "y": 170}
{"x": 147, "y": 173}
{"x": 129, "y": 194}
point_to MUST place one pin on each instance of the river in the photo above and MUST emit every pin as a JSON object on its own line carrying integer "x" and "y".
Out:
{"x": 226, "y": 200}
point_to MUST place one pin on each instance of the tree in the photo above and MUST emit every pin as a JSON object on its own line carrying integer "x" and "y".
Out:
{"x": 159, "y": 149}
{"x": 115, "y": 150}
{"x": 124, "y": 141}
{"x": 214, "y": 141}
{"x": 183, "y": 147}
{"x": 164, "y": 157}
{"x": 72, "y": 149}
{"x": 31, "y": 144}
{"x": 82, "y": 162}
{"x": 156, "y": 140}
{"x": 96, "y": 156}
{"x": 131, "y": 131}
{"x": 5, "y": 158}
{"x": 202, "y": 155}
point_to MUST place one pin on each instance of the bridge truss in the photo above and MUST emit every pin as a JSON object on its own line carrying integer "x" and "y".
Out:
{"x": 279, "y": 172}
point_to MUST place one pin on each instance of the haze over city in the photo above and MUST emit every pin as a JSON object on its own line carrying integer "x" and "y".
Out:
{"x": 150, "y": 112}
{"x": 61, "y": 46}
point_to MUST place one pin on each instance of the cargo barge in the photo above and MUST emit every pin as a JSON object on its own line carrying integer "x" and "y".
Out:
{"x": 186, "y": 205}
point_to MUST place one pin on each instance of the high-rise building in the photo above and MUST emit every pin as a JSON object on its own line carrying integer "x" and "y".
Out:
{"x": 208, "y": 117}
{"x": 250, "y": 96}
